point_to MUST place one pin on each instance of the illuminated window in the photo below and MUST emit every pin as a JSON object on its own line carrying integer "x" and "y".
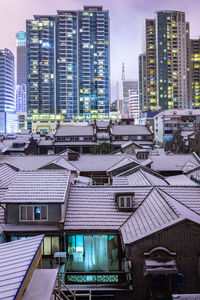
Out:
{"x": 33, "y": 213}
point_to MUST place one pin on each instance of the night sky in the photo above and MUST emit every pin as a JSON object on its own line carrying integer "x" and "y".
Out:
{"x": 126, "y": 16}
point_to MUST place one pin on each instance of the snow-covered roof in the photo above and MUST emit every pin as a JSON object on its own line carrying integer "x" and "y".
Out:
{"x": 188, "y": 195}
{"x": 173, "y": 162}
{"x": 140, "y": 177}
{"x": 186, "y": 297}
{"x": 130, "y": 130}
{"x": 180, "y": 180}
{"x": 44, "y": 186}
{"x": 15, "y": 261}
{"x": 7, "y": 175}
{"x": 61, "y": 162}
{"x": 156, "y": 212}
{"x": 95, "y": 208}
{"x": 69, "y": 130}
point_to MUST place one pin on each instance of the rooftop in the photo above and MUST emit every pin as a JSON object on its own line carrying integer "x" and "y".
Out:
{"x": 95, "y": 208}
{"x": 44, "y": 186}
{"x": 69, "y": 130}
{"x": 15, "y": 261}
{"x": 130, "y": 130}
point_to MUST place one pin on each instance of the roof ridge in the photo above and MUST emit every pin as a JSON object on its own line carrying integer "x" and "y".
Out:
{"x": 137, "y": 207}
{"x": 178, "y": 201}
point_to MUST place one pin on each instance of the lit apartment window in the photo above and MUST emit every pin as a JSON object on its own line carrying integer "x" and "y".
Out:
{"x": 33, "y": 213}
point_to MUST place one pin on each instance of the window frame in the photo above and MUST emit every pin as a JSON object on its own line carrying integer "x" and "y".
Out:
{"x": 125, "y": 197}
{"x": 33, "y": 213}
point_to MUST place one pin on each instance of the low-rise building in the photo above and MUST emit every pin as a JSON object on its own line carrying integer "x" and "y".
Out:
{"x": 167, "y": 122}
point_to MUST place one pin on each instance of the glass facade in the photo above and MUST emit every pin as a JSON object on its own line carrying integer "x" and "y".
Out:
{"x": 92, "y": 253}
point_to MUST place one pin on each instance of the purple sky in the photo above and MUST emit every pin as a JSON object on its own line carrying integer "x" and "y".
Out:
{"x": 127, "y": 19}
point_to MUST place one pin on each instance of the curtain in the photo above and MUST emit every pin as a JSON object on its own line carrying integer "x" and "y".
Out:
{"x": 96, "y": 253}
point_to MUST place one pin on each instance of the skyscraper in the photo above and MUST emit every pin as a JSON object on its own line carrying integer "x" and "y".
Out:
{"x": 151, "y": 71}
{"x": 41, "y": 65}
{"x": 195, "y": 72}
{"x": 21, "y": 57}
{"x": 7, "y": 92}
{"x": 167, "y": 64}
{"x": 171, "y": 59}
{"x": 142, "y": 82}
{"x": 21, "y": 72}
{"x": 68, "y": 64}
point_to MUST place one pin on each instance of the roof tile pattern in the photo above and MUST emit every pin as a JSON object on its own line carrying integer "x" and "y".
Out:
{"x": 15, "y": 260}
{"x": 94, "y": 208}
{"x": 44, "y": 186}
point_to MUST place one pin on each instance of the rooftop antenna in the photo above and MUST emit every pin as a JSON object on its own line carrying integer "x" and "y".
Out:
{"x": 123, "y": 72}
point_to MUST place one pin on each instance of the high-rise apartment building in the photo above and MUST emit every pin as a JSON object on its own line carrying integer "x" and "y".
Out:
{"x": 7, "y": 92}
{"x": 21, "y": 57}
{"x": 195, "y": 72}
{"x": 151, "y": 71}
{"x": 142, "y": 82}
{"x": 41, "y": 65}
{"x": 21, "y": 72}
{"x": 171, "y": 59}
{"x": 167, "y": 64}
{"x": 68, "y": 64}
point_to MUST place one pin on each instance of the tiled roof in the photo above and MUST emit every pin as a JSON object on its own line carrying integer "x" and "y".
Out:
{"x": 180, "y": 180}
{"x": 15, "y": 260}
{"x": 139, "y": 177}
{"x": 155, "y": 213}
{"x": 28, "y": 162}
{"x": 130, "y": 130}
{"x": 44, "y": 186}
{"x": 62, "y": 163}
{"x": 2, "y": 213}
{"x": 173, "y": 162}
{"x": 7, "y": 175}
{"x": 94, "y": 208}
{"x": 187, "y": 195}
{"x": 69, "y": 130}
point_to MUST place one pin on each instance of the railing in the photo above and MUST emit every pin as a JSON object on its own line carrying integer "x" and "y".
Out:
{"x": 61, "y": 287}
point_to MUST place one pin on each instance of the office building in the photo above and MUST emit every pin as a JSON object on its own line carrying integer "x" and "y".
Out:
{"x": 7, "y": 92}
{"x": 68, "y": 64}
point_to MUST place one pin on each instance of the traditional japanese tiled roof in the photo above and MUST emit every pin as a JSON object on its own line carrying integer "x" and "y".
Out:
{"x": 69, "y": 130}
{"x": 7, "y": 175}
{"x": 44, "y": 186}
{"x": 15, "y": 260}
{"x": 61, "y": 162}
{"x": 140, "y": 177}
{"x": 95, "y": 208}
{"x": 156, "y": 212}
{"x": 130, "y": 130}
{"x": 188, "y": 195}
